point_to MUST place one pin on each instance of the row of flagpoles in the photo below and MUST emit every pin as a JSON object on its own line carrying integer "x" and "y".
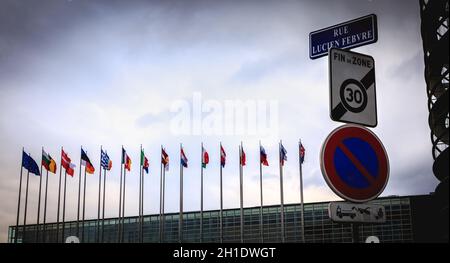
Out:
{"x": 106, "y": 164}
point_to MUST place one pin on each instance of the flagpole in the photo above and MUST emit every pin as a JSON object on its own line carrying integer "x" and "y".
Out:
{"x": 123, "y": 201}
{"x": 25, "y": 213}
{"x": 241, "y": 193}
{"x": 79, "y": 194}
{"x": 201, "y": 197}
{"x": 221, "y": 195}
{"x": 160, "y": 199}
{"x": 84, "y": 203}
{"x": 45, "y": 210}
{"x": 39, "y": 200}
{"x": 97, "y": 232}
{"x": 103, "y": 205}
{"x": 301, "y": 192}
{"x": 18, "y": 202}
{"x": 59, "y": 198}
{"x": 119, "y": 227}
{"x": 140, "y": 196}
{"x": 163, "y": 200}
{"x": 142, "y": 204}
{"x": 261, "y": 236}
{"x": 141, "y": 237}
{"x": 64, "y": 206}
{"x": 180, "y": 221}
{"x": 281, "y": 195}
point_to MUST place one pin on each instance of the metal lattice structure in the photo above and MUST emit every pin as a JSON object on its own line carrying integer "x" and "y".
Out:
{"x": 434, "y": 29}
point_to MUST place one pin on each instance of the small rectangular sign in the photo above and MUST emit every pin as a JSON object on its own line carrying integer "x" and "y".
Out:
{"x": 356, "y": 213}
{"x": 350, "y": 34}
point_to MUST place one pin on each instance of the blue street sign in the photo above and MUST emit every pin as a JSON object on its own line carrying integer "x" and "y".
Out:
{"x": 350, "y": 34}
{"x": 354, "y": 163}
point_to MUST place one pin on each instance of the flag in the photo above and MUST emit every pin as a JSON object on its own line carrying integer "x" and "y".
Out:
{"x": 128, "y": 163}
{"x": 242, "y": 160}
{"x": 71, "y": 169}
{"x": 263, "y": 156}
{"x": 302, "y": 153}
{"x": 48, "y": 162}
{"x": 126, "y": 160}
{"x": 86, "y": 162}
{"x": 183, "y": 158}
{"x": 144, "y": 162}
{"x": 105, "y": 162}
{"x": 146, "y": 165}
{"x": 65, "y": 160}
{"x": 205, "y": 157}
{"x": 165, "y": 159}
{"x": 283, "y": 156}
{"x": 66, "y": 163}
{"x": 29, "y": 164}
{"x": 223, "y": 156}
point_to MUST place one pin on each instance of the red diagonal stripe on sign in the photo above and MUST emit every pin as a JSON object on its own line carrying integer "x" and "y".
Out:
{"x": 357, "y": 163}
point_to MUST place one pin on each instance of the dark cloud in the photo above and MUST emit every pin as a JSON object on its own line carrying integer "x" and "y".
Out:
{"x": 27, "y": 27}
{"x": 255, "y": 71}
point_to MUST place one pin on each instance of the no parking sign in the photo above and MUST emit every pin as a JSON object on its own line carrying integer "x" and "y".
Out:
{"x": 354, "y": 163}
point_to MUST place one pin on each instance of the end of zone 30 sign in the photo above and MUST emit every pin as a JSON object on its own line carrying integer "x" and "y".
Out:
{"x": 352, "y": 88}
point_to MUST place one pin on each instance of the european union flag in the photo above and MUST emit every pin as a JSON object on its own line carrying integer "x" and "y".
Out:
{"x": 29, "y": 164}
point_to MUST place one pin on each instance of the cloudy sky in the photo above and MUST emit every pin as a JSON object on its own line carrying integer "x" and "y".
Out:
{"x": 90, "y": 73}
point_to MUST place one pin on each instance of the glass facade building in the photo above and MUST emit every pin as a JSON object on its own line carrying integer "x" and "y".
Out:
{"x": 406, "y": 221}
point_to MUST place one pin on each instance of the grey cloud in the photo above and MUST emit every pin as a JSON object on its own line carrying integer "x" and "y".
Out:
{"x": 256, "y": 71}
{"x": 416, "y": 178}
{"x": 407, "y": 68}
{"x": 149, "y": 119}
